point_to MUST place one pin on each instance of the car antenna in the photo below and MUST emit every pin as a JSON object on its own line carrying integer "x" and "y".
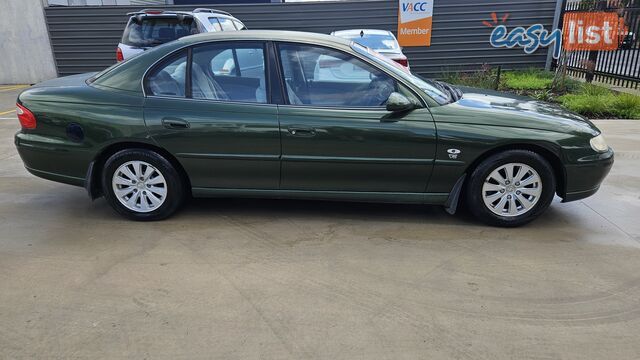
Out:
{"x": 361, "y": 33}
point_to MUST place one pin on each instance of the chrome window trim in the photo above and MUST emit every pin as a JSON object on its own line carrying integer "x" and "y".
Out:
{"x": 208, "y": 100}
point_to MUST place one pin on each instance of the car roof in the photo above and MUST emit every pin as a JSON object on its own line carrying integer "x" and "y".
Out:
{"x": 274, "y": 35}
{"x": 200, "y": 13}
{"x": 354, "y": 32}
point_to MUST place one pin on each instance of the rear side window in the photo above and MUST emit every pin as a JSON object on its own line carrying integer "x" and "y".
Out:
{"x": 229, "y": 72}
{"x": 239, "y": 25}
{"x": 153, "y": 31}
{"x": 168, "y": 79}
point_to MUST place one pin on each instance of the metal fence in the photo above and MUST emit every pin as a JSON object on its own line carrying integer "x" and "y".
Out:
{"x": 85, "y": 38}
{"x": 620, "y": 67}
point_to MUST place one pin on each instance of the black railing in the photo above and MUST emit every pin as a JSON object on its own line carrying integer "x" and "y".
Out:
{"x": 620, "y": 67}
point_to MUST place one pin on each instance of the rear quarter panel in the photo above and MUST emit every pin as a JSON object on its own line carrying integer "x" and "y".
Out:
{"x": 104, "y": 115}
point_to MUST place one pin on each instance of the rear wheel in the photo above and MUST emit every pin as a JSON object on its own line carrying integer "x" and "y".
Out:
{"x": 142, "y": 185}
{"x": 511, "y": 188}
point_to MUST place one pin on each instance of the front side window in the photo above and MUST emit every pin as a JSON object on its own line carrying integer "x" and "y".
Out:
{"x": 232, "y": 72}
{"x": 431, "y": 88}
{"x": 169, "y": 78}
{"x": 325, "y": 77}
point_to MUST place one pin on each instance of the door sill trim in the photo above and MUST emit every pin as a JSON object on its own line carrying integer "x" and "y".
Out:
{"x": 358, "y": 196}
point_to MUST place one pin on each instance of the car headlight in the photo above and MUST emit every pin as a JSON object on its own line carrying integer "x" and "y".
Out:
{"x": 599, "y": 144}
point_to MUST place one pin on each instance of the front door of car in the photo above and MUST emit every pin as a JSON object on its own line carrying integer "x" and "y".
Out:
{"x": 217, "y": 120}
{"x": 336, "y": 132}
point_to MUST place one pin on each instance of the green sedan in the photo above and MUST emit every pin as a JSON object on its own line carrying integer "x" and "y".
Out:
{"x": 280, "y": 114}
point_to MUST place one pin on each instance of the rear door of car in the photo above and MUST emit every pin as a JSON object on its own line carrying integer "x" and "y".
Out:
{"x": 223, "y": 129}
{"x": 336, "y": 133}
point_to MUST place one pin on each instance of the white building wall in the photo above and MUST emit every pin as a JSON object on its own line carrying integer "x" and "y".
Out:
{"x": 25, "y": 50}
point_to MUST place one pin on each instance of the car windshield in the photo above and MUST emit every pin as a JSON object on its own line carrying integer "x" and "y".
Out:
{"x": 432, "y": 88}
{"x": 377, "y": 42}
{"x": 152, "y": 31}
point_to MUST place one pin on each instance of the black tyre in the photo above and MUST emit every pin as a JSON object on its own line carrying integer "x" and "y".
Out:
{"x": 142, "y": 185}
{"x": 511, "y": 188}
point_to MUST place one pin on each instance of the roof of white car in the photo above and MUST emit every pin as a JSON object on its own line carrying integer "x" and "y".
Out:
{"x": 354, "y": 32}
{"x": 199, "y": 13}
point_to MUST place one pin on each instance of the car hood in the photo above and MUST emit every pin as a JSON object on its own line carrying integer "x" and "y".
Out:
{"x": 503, "y": 109}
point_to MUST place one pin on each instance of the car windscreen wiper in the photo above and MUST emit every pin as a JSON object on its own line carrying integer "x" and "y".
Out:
{"x": 456, "y": 94}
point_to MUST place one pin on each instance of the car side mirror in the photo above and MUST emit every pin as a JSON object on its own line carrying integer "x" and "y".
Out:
{"x": 398, "y": 103}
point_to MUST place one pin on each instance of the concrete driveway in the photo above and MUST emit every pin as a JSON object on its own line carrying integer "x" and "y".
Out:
{"x": 258, "y": 279}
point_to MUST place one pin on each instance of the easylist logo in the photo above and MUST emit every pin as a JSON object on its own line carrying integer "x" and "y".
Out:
{"x": 593, "y": 31}
{"x": 582, "y": 31}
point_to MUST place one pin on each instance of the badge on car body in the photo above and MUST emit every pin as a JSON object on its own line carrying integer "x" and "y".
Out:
{"x": 453, "y": 153}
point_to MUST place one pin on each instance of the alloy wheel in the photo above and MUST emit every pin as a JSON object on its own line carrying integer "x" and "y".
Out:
{"x": 512, "y": 189}
{"x": 139, "y": 186}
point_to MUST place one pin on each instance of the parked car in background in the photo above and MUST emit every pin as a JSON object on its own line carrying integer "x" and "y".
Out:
{"x": 627, "y": 41}
{"x": 382, "y": 41}
{"x": 250, "y": 113}
{"x": 152, "y": 27}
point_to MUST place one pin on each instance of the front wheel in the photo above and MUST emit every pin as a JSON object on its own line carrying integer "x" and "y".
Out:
{"x": 511, "y": 188}
{"x": 142, "y": 185}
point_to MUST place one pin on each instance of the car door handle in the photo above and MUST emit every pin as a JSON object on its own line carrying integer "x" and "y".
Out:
{"x": 175, "y": 123}
{"x": 302, "y": 131}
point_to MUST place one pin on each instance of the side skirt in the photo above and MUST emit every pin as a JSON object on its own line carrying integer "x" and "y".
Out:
{"x": 381, "y": 197}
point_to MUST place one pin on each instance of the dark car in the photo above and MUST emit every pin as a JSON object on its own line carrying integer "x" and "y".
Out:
{"x": 290, "y": 115}
{"x": 627, "y": 41}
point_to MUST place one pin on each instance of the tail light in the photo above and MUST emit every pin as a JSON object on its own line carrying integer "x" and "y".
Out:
{"x": 26, "y": 117}
{"x": 404, "y": 62}
{"x": 119, "y": 55}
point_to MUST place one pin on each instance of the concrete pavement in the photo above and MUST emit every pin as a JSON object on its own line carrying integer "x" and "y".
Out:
{"x": 259, "y": 279}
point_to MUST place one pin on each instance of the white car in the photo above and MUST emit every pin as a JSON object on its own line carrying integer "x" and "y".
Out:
{"x": 381, "y": 41}
{"x": 151, "y": 27}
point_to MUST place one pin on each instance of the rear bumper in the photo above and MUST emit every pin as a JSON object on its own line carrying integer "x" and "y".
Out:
{"x": 47, "y": 159}
{"x": 584, "y": 179}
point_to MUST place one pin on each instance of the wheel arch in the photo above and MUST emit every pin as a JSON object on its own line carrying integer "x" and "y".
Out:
{"x": 547, "y": 151}
{"x": 94, "y": 174}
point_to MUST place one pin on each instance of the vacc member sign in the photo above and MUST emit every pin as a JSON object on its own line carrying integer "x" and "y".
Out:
{"x": 414, "y": 22}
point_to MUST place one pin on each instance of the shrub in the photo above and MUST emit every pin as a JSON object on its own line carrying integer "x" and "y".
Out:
{"x": 529, "y": 80}
{"x": 484, "y": 78}
{"x": 565, "y": 84}
{"x": 592, "y": 106}
{"x": 597, "y": 101}
{"x": 627, "y": 106}
{"x": 594, "y": 90}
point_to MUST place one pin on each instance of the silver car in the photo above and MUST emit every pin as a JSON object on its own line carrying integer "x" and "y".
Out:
{"x": 382, "y": 41}
{"x": 153, "y": 27}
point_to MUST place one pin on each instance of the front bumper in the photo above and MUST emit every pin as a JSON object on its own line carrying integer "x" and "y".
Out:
{"x": 584, "y": 178}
